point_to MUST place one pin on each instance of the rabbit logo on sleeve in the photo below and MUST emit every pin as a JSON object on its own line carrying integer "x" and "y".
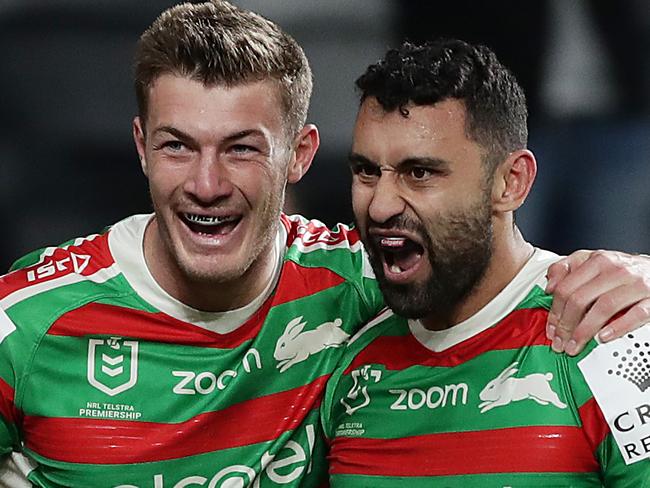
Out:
{"x": 294, "y": 345}
{"x": 505, "y": 389}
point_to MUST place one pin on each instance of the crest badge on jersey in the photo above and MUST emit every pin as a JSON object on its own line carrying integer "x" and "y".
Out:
{"x": 358, "y": 396}
{"x": 618, "y": 374}
{"x": 112, "y": 364}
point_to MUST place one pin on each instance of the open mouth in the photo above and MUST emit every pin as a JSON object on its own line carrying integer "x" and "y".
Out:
{"x": 210, "y": 225}
{"x": 401, "y": 256}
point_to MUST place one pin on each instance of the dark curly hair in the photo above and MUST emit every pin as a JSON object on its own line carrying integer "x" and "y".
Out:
{"x": 452, "y": 69}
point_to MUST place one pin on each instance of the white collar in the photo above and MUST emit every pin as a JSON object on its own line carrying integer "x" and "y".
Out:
{"x": 533, "y": 273}
{"x": 126, "y": 242}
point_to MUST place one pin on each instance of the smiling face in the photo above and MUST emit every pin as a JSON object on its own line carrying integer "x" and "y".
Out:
{"x": 422, "y": 203}
{"x": 217, "y": 159}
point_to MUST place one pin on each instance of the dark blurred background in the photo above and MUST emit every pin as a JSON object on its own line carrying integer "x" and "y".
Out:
{"x": 69, "y": 167}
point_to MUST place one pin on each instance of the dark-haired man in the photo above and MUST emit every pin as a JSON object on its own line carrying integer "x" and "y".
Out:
{"x": 458, "y": 386}
{"x": 189, "y": 347}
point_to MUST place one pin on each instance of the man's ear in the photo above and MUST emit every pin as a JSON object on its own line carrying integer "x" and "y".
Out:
{"x": 304, "y": 148}
{"x": 513, "y": 180}
{"x": 139, "y": 138}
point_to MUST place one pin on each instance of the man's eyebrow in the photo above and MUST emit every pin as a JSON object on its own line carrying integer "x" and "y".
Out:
{"x": 356, "y": 158}
{"x": 179, "y": 134}
{"x": 437, "y": 163}
{"x": 245, "y": 133}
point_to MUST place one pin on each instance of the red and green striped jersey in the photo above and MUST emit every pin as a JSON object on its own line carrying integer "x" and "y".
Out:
{"x": 106, "y": 381}
{"x": 485, "y": 403}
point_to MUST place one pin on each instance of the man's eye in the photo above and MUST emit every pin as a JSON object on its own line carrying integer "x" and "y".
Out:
{"x": 172, "y": 146}
{"x": 243, "y": 149}
{"x": 366, "y": 170}
{"x": 419, "y": 173}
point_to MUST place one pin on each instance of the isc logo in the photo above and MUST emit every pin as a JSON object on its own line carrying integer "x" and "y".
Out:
{"x": 73, "y": 262}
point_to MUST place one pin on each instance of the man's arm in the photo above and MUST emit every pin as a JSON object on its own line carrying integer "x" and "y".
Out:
{"x": 596, "y": 290}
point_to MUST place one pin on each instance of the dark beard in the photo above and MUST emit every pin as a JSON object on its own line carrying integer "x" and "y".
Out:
{"x": 458, "y": 257}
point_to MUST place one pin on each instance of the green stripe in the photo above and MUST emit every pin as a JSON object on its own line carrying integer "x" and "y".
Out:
{"x": 408, "y": 406}
{"x": 536, "y": 298}
{"x": 514, "y": 480}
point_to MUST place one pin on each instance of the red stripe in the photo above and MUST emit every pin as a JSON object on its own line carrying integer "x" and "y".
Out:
{"x": 593, "y": 423}
{"x": 299, "y": 282}
{"x": 97, "y": 441}
{"x": 8, "y": 409}
{"x": 60, "y": 264}
{"x": 101, "y": 319}
{"x": 515, "y": 450}
{"x": 522, "y": 328}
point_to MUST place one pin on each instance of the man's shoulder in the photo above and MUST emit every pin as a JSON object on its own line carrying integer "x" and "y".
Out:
{"x": 310, "y": 235}
{"x": 377, "y": 342}
{"x": 320, "y": 254}
{"x": 52, "y": 279}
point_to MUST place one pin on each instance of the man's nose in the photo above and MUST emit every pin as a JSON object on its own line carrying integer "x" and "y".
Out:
{"x": 387, "y": 201}
{"x": 210, "y": 179}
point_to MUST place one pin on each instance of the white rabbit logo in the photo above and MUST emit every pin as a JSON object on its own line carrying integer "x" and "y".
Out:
{"x": 504, "y": 389}
{"x": 294, "y": 346}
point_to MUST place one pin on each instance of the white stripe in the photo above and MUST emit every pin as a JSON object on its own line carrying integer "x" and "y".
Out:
{"x": 532, "y": 273}
{"x": 321, "y": 232}
{"x": 367, "y": 270}
{"x": 126, "y": 244}
{"x": 100, "y": 276}
{"x": 77, "y": 242}
{"x": 377, "y": 320}
{"x": 6, "y": 325}
{"x": 324, "y": 245}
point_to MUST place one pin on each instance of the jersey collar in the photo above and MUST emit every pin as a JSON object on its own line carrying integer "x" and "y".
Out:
{"x": 126, "y": 242}
{"x": 532, "y": 274}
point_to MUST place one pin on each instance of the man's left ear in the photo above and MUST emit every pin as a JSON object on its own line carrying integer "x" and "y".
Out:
{"x": 305, "y": 147}
{"x": 513, "y": 180}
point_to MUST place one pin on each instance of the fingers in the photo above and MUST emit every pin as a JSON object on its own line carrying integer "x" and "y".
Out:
{"x": 593, "y": 291}
{"x": 575, "y": 286}
{"x": 635, "y": 317}
{"x": 557, "y": 271}
{"x": 605, "y": 306}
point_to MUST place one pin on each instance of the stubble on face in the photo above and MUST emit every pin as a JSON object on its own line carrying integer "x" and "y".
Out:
{"x": 459, "y": 247}
{"x": 218, "y": 272}
{"x": 225, "y": 156}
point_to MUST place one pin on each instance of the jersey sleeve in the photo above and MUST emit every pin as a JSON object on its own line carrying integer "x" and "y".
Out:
{"x": 345, "y": 388}
{"x": 10, "y": 416}
{"x": 311, "y": 244}
{"x": 330, "y": 413}
{"x": 624, "y": 460}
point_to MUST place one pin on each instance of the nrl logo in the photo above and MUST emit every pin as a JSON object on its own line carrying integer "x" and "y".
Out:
{"x": 112, "y": 364}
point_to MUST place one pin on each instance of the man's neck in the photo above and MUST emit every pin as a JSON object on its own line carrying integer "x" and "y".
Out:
{"x": 207, "y": 296}
{"x": 509, "y": 256}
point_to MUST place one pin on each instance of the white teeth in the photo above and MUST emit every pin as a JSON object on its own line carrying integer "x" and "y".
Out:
{"x": 395, "y": 269}
{"x": 393, "y": 241}
{"x": 208, "y": 219}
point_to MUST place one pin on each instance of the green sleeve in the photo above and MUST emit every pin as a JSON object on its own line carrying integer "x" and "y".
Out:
{"x": 11, "y": 352}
